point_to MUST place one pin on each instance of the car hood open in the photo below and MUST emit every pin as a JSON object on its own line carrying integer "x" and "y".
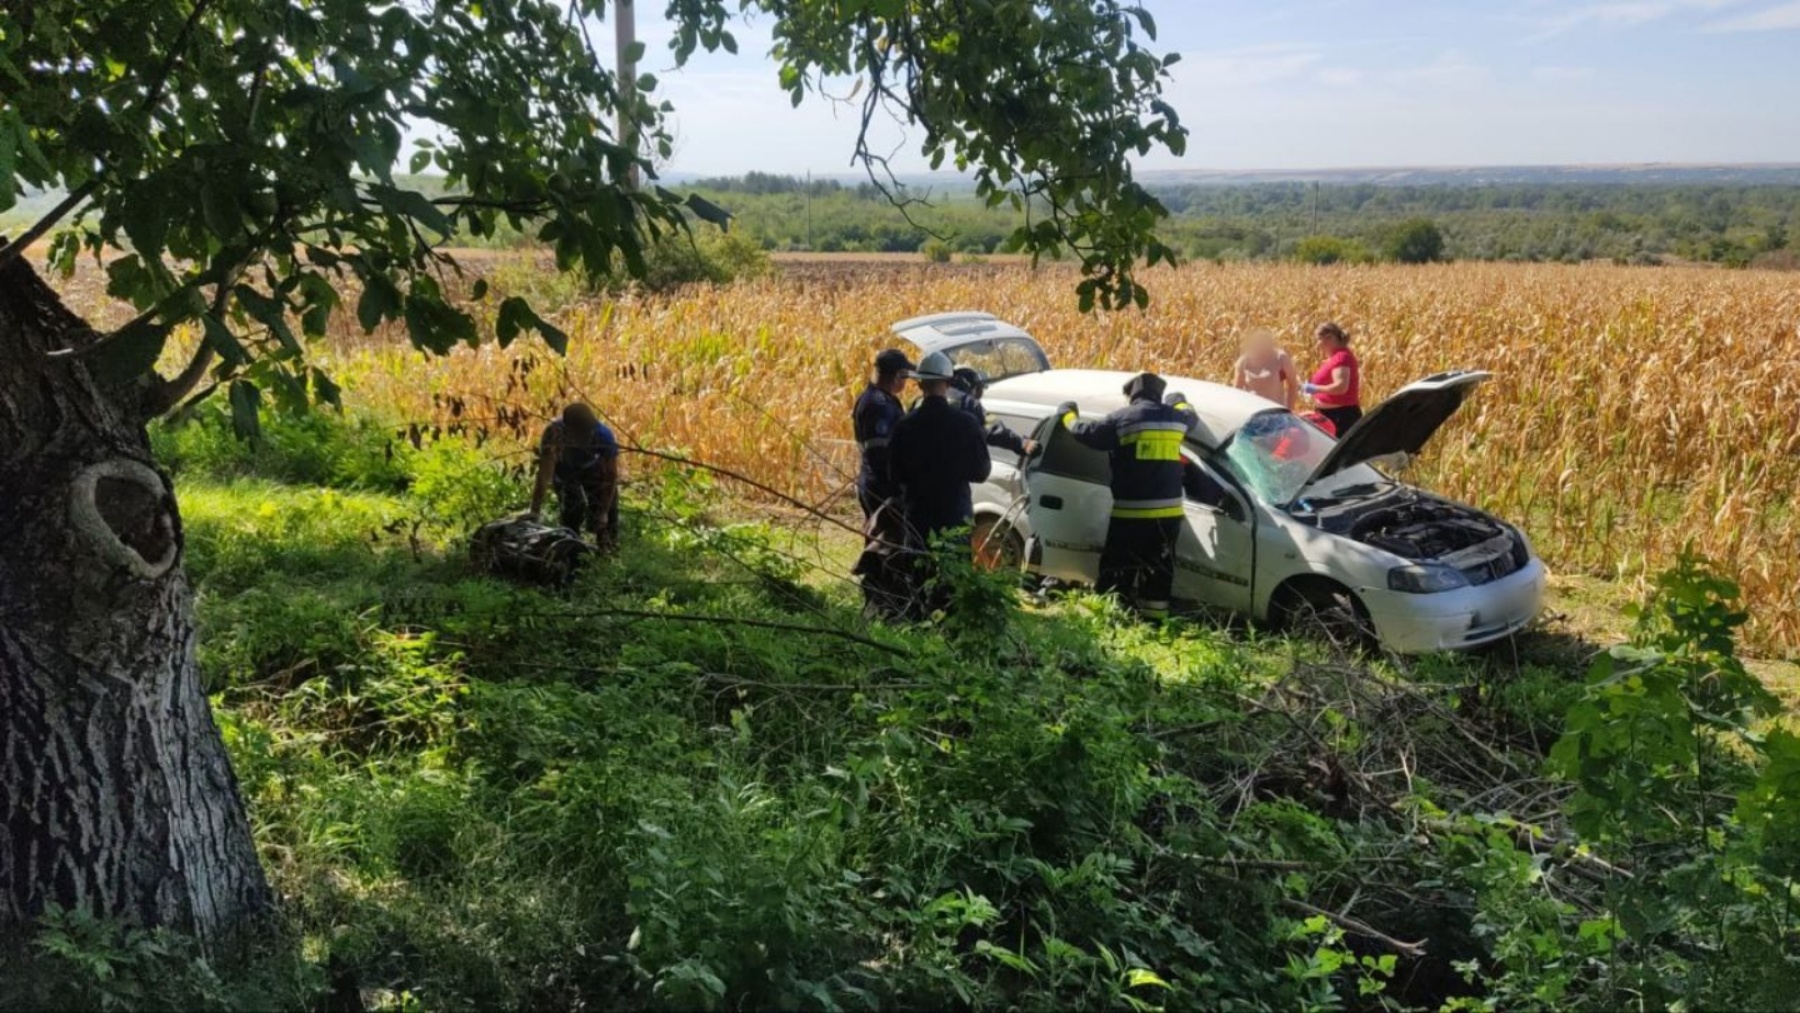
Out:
{"x": 1402, "y": 423}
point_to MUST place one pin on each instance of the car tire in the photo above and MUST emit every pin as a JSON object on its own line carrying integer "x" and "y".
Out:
{"x": 997, "y": 545}
{"x": 1329, "y": 611}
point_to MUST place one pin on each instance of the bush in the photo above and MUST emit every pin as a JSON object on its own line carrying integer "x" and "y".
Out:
{"x": 1414, "y": 241}
{"x": 936, "y": 251}
{"x": 703, "y": 257}
{"x": 1330, "y": 250}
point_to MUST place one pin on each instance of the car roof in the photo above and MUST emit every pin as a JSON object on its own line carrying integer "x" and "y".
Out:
{"x": 1222, "y": 410}
{"x": 939, "y": 331}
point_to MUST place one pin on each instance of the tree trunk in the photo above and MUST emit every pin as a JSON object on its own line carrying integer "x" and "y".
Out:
{"x": 116, "y": 795}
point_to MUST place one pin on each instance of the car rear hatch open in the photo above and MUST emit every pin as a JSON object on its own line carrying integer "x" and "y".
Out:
{"x": 980, "y": 341}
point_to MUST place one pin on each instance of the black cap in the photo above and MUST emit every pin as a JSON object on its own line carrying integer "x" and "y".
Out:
{"x": 892, "y": 361}
{"x": 1148, "y": 386}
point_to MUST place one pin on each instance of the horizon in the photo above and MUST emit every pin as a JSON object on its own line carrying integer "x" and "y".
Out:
{"x": 1322, "y": 85}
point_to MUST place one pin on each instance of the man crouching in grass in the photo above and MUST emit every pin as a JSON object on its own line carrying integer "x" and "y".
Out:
{"x": 580, "y": 456}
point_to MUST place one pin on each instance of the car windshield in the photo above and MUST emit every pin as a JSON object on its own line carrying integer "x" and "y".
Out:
{"x": 1275, "y": 453}
{"x": 999, "y": 358}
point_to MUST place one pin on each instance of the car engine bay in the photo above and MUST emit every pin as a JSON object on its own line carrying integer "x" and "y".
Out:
{"x": 1426, "y": 529}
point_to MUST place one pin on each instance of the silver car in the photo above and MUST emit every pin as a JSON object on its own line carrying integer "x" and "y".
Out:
{"x": 1283, "y": 519}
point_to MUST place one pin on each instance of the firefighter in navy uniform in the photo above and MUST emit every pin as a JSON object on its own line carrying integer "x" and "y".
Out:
{"x": 938, "y": 451}
{"x": 966, "y": 388}
{"x": 877, "y": 411}
{"x": 1143, "y": 441}
{"x": 579, "y": 455}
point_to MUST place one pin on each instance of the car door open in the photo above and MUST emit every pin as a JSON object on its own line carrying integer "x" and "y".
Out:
{"x": 1069, "y": 500}
{"x": 1215, "y": 557}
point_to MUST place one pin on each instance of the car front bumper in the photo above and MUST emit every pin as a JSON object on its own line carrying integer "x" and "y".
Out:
{"x": 1460, "y": 619}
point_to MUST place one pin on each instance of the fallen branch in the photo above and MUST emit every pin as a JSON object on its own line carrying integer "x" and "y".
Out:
{"x": 723, "y": 679}
{"x": 1358, "y": 927}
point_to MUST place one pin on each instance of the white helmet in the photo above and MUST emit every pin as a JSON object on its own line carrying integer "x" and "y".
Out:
{"x": 935, "y": 366}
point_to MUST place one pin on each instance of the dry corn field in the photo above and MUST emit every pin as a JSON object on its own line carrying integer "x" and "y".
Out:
{"x": 1633, "y": 410}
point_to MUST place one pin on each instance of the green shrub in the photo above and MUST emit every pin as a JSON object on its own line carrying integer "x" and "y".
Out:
{"x": 1330, "y": 250}
{"x": 320, "y": 447}
{"x": 936, "y": 251}
{"x": 1413, "y": 241}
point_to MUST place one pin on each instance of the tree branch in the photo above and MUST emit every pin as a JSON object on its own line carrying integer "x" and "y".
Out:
{"x": 1357, "y": 927}
{"x": 16, "y": 249}
{"x": 168, "y": 393}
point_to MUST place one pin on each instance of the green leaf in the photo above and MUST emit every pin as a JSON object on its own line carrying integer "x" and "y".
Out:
{"x": 245, "y": 401}
{"x": 1138, "y": 977}
{"x": 271, "y": 313}
{"x": 553, "y": 336}
{"x": 224, "y": 343}
{"x": 327, "y": 390}
{"x": 380, "y": 301}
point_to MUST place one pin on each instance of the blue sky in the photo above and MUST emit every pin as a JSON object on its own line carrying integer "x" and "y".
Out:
{"x": 1281, "y": 84}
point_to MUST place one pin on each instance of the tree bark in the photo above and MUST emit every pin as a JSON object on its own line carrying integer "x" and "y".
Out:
{"x": 116, "y": 794}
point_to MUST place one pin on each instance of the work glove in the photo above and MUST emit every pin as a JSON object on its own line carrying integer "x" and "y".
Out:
{"x": 1309, "y": 388}
{"x": 1066, "y": 409}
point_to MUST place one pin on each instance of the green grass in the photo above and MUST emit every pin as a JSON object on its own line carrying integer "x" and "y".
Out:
{"x": 473, "y": 794}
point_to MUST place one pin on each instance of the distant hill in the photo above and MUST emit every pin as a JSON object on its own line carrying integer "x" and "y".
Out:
{"x": 1653, "y": 173}
{"x": 1663, "y": 174}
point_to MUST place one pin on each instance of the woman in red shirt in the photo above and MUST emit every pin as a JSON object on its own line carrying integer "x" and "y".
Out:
{"x": 1337, "y": 385}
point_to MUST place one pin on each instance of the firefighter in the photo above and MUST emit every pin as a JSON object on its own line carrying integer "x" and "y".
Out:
{"x": 1143, "y": 440}
{"x": 877, "y": 411}
{"x": 966, "y": 387}
{"x": 1178, "y": 401}
{"x": 579, "y": 455}
{"x": 938, "y": 451}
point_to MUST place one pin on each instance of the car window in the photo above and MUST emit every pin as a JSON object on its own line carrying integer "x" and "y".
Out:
{"x": 999, "y": 358}
{"x": 1201, "y": 485}
{"x": 1068, "y": 457}
{"x": 1017, "y": 423}
{"x": 1275, "y": 453}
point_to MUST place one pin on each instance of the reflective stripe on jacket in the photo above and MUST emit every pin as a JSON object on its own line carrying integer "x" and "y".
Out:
{"x": 1143, "y": 440}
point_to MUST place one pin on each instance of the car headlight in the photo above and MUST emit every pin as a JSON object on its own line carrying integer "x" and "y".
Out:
{"x": 1521, "y": 553}
{"x": 1425, "y": 578}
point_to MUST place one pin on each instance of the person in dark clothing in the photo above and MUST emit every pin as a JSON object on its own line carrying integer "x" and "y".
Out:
{"x": 579, "y": 456}
{"x": 1143, "y": 441}
{"x": 872, "y": 420}
{"x": 938, "y": 450}
{"x": 966, "y": 388}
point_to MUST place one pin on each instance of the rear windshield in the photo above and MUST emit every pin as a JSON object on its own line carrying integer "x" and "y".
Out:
{"x": 999, "y": 358}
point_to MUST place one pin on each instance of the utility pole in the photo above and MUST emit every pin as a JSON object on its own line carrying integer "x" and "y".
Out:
{"x": 809, "y": 244}
{"x": 1315, "y": 227}
{"x": 625, "y": 40}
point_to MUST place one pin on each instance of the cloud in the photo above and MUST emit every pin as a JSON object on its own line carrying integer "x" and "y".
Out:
{"x": 1620, "y": 14}
{"x": 1254, "y": 64}
{"x": 1775, "y": 19}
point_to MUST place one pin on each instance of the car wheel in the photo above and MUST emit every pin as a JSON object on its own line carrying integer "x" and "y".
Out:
{"x": 997, "y": 546}
{"x": 1329, "y": 611}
